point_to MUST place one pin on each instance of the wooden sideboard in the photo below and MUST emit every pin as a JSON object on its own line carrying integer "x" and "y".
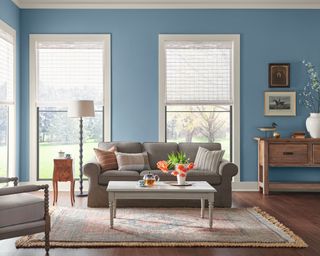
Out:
{"x": 286, "y": 153}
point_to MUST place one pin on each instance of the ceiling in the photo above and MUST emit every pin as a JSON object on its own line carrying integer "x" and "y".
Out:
{"x": 168, "y": 4}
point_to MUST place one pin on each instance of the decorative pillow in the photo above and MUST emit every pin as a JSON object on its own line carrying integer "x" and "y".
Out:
{"x": 107, "y": 159}
{"x": 133, "y": 161}
{"x": 207, "y": 160}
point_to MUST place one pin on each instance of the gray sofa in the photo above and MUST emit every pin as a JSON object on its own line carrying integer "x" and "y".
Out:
{"x": 98, "y": 181}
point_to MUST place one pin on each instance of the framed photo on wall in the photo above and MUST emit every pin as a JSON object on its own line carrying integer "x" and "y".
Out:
{"x": 279, "y": 75}
{"x": 278, "y": 103}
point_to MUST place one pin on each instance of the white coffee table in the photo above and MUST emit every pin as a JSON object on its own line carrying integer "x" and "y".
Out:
{"x": 162, "y": 190}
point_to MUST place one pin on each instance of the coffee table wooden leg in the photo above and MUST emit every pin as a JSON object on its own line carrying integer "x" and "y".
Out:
{"x": 111, "y": 203}
{"x": 115, "y": 209}
{"x": 202, "y": 207}
{"x": 210, "y": 213}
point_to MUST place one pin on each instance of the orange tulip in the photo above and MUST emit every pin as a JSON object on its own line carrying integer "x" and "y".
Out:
{"x": 175, "y": 173}
{"x": 190, "y": 166}
{"x": 163, "y": 166}
{"x": 182, "y": 175}
{"x": 180, "y": 167}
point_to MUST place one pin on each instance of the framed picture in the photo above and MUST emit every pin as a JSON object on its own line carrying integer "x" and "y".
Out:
{"x": 279, "y": 75}
{"x": 280, "y": 103}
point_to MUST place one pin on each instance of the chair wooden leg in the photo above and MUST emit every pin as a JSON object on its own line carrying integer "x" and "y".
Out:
{"x": 71, "y": 192}
{"x": 47, "y": 240}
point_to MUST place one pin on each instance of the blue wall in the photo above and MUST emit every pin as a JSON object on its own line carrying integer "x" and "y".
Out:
{"x": 266, "y": 36}
{"x": 10, "y": 14}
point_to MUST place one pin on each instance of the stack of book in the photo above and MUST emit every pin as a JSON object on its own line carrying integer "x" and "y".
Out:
{"x": 298, "y": 135}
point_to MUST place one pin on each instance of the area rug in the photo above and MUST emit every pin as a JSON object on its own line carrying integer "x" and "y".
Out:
{"x": 163, "y": 227}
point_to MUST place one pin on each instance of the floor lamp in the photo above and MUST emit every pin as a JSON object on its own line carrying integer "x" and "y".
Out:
{"x": 80, "y": 109}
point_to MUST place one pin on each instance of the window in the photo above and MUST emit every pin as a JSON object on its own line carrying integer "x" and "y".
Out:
{"x": 64, "y": 68}
{"x": 7, "y": 99}
{"x": 199, "y": 89}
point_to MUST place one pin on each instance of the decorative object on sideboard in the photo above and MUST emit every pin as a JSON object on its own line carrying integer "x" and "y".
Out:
{"x": 268, "y": 130}
{"x": 280, "y": 103}
{"x": 80, "y": 109}
{"x": 61, "y": 154}
{"x": 276, "y": 135}
{"x": 310, "y": 98}
{"x": 298, "y": 135}
{"x": 279, "y": 75}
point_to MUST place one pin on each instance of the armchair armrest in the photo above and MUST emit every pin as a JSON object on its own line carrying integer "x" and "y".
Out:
{"x": 23, "y": 189}
{"x": 227, "y": 168}
{"x": 6, "y": 180}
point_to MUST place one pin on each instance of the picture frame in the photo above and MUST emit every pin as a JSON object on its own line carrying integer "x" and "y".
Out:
{"x": 279, "y": 103}
{"x": 279, "y": 75}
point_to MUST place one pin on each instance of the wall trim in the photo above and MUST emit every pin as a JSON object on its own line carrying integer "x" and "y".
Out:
{"x": 158, "y": 4}
{"x": 245, "y": 186}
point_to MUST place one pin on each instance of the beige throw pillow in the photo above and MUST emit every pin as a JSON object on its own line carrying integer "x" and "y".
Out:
{"x": 207, "y": 160}
{"x": 133, "y": 161}
{"x": 106, "y": 159}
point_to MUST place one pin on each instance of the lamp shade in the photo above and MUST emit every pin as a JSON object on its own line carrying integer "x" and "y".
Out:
{"x": 81, "y": 108}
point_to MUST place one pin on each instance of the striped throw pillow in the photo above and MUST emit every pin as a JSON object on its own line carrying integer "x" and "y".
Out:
{"x": 106, "y": 159}
{"x": 133, "y": 161}
{"x": 207, "y": 160}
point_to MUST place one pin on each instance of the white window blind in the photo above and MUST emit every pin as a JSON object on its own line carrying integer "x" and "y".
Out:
{"x": 198, "y": 72}
{"x": 6, "y": 67}
{"x": 69, "y": 71}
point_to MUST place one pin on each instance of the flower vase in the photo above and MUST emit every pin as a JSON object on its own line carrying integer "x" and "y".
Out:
{"x": 313, "y": 125}
{"x": 181, "y": 179}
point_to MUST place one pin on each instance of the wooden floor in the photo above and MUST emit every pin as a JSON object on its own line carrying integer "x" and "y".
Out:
{"x": 299, "y": 211}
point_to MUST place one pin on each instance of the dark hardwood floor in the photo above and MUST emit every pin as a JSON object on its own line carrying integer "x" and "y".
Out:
{"x": 299, "y": 211}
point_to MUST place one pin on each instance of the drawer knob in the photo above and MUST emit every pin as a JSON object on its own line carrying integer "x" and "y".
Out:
{"x": 288, "y": 153}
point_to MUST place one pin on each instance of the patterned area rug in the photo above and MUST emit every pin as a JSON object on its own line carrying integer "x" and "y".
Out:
{"x": 146, "y": 227}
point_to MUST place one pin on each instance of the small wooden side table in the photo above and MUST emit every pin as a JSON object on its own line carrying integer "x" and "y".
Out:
{"x": 63, "y": 171}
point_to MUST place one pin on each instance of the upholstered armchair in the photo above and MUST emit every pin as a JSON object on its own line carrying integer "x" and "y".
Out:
{"x": 22, "y": 213}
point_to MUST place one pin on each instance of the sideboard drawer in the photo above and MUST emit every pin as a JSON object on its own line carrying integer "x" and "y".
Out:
{"x": 288, "y": 153}
{"x": 316, "y": 153}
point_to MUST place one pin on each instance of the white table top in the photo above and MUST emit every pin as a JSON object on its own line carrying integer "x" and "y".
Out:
{"x": 162, "y": 186}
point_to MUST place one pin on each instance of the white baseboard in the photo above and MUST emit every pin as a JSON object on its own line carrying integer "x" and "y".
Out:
{"x": 245, "y": 186}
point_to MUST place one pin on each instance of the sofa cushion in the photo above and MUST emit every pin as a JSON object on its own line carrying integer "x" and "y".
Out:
{"x": 133, "y": 161}
{"x": 20, "y": 208}
{"x": 200, "y": 175}
{"x": 159, "y": 151}
{"x": 193, "y": 175}
{"x": 207, "y": 160}
{"x": 125, "y": 147}
{"x": 116, "y": 175}
{"x": 191, "y": 149}
{"x": 106, "y": 158}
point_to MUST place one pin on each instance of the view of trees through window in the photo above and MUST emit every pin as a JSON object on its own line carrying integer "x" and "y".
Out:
{"x": 57, "y": 131}
{"x": 4, "y": 123}
{"x": 200, "y": 124}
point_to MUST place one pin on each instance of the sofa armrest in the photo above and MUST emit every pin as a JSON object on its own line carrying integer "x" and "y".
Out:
{"x": 227, "y": 168}
{"x": 92, "y": 169}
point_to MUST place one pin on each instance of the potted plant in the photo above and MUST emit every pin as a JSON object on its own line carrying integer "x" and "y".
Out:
{"x": 310, "y": 98}
{"x": 180, "y": 163}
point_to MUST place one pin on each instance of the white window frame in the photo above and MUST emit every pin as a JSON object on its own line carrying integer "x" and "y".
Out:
{"x": 33, "y": 39}
{"x": 235, "y": 38}
{"x": 12, "y": 106}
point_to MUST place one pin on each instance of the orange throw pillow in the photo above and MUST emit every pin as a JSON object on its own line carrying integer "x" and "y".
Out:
{"x": 107, "y": 159}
